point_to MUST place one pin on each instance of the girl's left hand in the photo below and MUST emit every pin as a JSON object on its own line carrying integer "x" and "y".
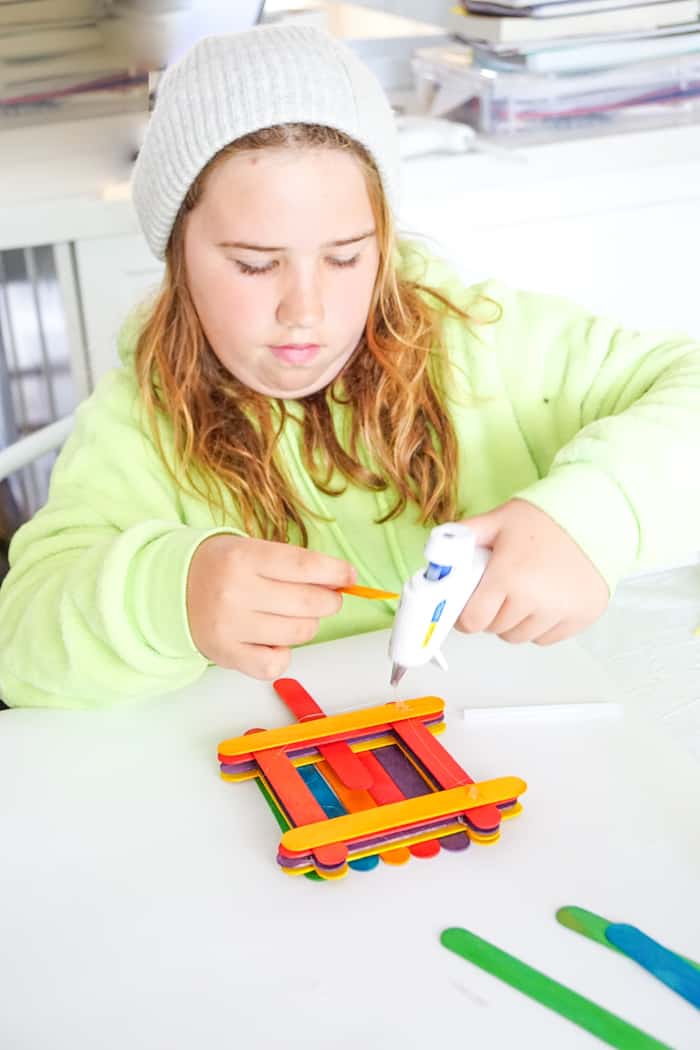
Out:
{"x": 538, "y": 586}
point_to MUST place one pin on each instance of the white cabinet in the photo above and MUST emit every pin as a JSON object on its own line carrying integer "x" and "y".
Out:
{"x": 639, "y": 266}
{"x": 612, "y": 223}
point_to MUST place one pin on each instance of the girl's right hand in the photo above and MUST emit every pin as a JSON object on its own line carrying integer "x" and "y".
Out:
{"x": 249, "y": 601}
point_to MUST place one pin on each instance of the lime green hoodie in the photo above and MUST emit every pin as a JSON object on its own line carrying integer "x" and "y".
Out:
{"x": 597, "y": 426}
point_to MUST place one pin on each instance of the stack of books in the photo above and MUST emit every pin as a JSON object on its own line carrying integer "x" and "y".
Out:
{"x": 542, "y": 70}
{"x": 568, "y": 36}
{"x": 55, "y": 64}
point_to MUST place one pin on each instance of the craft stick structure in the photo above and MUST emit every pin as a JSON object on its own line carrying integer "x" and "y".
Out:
{"x": 351, "y": 789}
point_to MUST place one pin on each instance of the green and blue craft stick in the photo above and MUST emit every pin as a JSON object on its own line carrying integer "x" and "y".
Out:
{"x": 676, "y": 971}
{"x": 607, "y": 1026}
{"x": 594, "y": 926}
{"x": 661, "y": 962}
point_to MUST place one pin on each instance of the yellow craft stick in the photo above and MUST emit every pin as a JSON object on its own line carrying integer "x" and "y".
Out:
{"x": 355, "y": 745}
{"x": 368, "y": 592}
{"x": 332, "y": 725}
{"x": 398, "y": 814}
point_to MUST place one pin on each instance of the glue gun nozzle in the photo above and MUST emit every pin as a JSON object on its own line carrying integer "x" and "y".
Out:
{"x": 397, "y": 673}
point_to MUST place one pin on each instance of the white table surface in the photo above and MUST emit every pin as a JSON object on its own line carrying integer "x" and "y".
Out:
{"x": 141, "y": 905}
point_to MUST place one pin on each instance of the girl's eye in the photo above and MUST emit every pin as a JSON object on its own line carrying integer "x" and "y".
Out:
{"x": 248, "y": 269}
{"x": 343, "y": 262}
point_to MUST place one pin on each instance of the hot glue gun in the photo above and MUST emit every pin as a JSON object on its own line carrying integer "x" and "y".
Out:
{"x": 433, "y": 598}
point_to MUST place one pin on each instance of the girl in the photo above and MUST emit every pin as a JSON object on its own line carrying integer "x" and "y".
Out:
{"x": 307, "y": 396}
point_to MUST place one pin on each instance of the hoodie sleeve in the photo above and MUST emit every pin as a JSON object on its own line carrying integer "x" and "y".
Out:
{"x": 93, "y": 609}
{"x": 612, "y": 420}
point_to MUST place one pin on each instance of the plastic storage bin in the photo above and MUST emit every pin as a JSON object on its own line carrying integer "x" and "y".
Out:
{"x": 515, "y": 107}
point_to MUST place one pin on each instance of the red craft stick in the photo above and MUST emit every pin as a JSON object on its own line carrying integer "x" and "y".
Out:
{"x": 299, "y": 803}
{"x": 442, "y": 766}
{"x": 342, "y": 760}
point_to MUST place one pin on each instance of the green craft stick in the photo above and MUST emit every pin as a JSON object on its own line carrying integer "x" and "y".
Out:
{"x": 594, "y": 926}
{"x": 574, "y": 1007}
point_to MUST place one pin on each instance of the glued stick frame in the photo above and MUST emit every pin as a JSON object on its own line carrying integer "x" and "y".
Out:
{"x": 325, "y": 842}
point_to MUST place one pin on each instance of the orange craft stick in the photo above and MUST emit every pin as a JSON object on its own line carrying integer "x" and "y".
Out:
{"x": 355, "y": 802}
{"x": 368, "y": 592}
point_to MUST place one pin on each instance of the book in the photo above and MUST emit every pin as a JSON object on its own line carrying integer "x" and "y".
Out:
{"x": 591, "y": 56}
{"x": 512, "y": 7}
{"x": 20, "y": 13}
{"x": 497, "y": 29}
{"x": 550, "y": 8}
{"x": 38, "y": 43}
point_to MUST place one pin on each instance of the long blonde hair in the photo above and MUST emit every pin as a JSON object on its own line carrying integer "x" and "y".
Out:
{"x": 226, "y": 435}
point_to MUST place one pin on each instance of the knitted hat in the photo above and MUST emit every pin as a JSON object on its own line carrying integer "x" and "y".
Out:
{"x": 228, "y": 86}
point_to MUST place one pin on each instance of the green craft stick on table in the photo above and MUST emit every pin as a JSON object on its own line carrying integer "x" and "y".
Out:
{"x": 595, "y": 1019}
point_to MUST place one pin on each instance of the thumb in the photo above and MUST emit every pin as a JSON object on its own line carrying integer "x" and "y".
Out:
{"x": 485, "y": 527}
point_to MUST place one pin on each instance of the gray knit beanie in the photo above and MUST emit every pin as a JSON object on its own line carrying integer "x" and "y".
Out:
{"x": 228, "y": 86}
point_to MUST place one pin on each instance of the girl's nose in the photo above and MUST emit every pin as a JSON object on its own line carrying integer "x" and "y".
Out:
{"x": 301, "y": 305}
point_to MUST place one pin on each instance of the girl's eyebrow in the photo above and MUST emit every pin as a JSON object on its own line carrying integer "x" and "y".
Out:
{"x": 267, "y": 248}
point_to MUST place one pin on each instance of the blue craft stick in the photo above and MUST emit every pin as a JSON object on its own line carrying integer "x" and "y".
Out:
{"x": 332, "y": 807}
{"x": 665, "y": 965}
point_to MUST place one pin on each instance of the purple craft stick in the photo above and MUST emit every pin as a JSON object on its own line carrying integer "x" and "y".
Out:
{"x": 412, "y": 784}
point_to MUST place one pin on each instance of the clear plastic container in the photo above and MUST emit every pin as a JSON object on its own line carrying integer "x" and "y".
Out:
{"x": 515, "y": 107}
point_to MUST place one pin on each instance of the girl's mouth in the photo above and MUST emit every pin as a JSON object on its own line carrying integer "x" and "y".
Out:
{"x": 296, "y": 353}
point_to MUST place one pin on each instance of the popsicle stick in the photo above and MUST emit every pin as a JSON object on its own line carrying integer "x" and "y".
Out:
{"x": 385, "y": 790}
{"x": 298, "y": 862}
{"x": 407, "y": 772}
{"x": 334, "y": 727}
{"x": 442, "y": 766}
{"x": 412, "y": 784}
{"x": 356, "y": 802}
{"x": 297, "y": 801}
{"x": 282, "y": 821}
{"x": 595, "y": 927}
{"x": 369, "y": 592}
{"x": 607, "y": 1026}
{"x": 340, "y": 758}
{"x": 412, "y": 812}
{"x": 332, "y": 806}
{"x": 665, "y": 965}
{"x": 246, "y": 768}
{"x": 396, "y": 856}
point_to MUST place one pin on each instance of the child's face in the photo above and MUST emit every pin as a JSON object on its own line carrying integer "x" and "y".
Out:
{"x": 282, "y": 300}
